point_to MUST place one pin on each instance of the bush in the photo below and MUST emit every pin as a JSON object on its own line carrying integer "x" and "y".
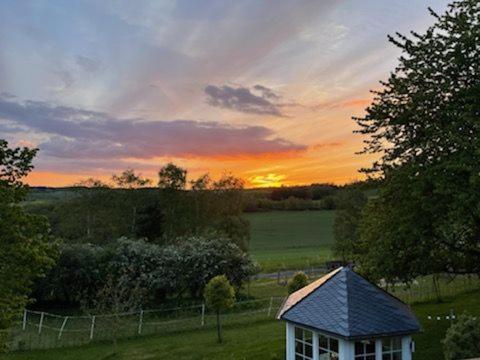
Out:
{"x": 183, "y": 267}
{"x": 299, "y": 280}
{"x": 462, "y": 340}
{"x": 77, "y": 274}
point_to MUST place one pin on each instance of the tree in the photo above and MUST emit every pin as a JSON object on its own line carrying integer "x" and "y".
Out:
{"x": 219, "y": 296}
{"x": 172, "y": 177}
{"x": 76, "y": 275}
{"x": 423, "y": 124}
{"x": 349, "y": 206}
{"x": 129, "y": 183}
{"x": 462, "y": 340}
{"x": 27, "y": 250}
{"x": 128, "y": 179}
{"x": 298, "y": 281}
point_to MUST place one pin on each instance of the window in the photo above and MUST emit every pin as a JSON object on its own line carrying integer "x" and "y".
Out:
{"x": 327, "y": 348}
{"x": 365, "y": 350}
{"x": 303, "y": 344}
{"x": 392, "y": 349}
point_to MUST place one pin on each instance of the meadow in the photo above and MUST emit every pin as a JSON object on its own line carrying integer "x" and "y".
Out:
{"x": 257, "y": 339}
{"x": 291, "y": 239}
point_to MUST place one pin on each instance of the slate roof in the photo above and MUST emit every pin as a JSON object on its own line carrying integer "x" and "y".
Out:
{"x": 343, "y": 303}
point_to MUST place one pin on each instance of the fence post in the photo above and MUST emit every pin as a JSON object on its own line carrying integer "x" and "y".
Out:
{"x": 24, "y": 323}
{"x": 42, "y": 314}
{"x": 140, "y": 323}
{"x": 62, "y": 327}
{"x": 92, "y": 327}
{"x": 203, "y": 314}
{"x": 270, "y": 306}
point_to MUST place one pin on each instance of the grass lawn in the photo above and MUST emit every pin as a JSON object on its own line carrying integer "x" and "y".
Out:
{"x": 291, "y": 239}
{"x": 260, "y": 340}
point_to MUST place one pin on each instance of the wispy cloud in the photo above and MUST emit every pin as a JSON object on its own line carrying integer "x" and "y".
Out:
{"x": 258, "y": 100}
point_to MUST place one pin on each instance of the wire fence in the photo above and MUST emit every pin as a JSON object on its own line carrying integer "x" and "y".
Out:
{"x": 424, "y": 289}
{"x": 43, "y": 330}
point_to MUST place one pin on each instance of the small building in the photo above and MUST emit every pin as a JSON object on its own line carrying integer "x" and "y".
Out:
{"x": 342, "y": 316}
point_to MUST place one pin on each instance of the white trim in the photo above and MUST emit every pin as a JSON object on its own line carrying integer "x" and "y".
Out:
{"x": 346, "y": 349}
{"x": 406, "y": 348}
{"x": 290, "y": 341}
{"x": 378, "y": 349}
{"x": 315, "y": 346}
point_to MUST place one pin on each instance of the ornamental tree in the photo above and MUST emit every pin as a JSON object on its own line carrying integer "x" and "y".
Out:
{"x": 219, "y": 296}
{"x": 299, "y": 280}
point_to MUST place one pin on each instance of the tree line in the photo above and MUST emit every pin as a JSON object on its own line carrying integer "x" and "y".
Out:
{"x": 98, "y": 212}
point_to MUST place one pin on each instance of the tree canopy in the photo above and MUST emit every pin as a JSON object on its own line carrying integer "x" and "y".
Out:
{"x": 27, "y": 249}
{"x": 424, "y": 126}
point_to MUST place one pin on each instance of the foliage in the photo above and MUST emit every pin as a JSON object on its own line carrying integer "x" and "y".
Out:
{"x": 219, "y": 296}
{"x": 77, "y": 275}
{"x": 462, "y": 340}
{"x": 181, "y": 268}
{"x": 198, "y": 259}
{"x": 150, "y": 222}
{"x": 298, "y": 281}
{"x": 128, "y": 179}
{"x": 27, "y": 249}
{"x": 345, "y": 227}
{"x": 172, "y": 177}
{"x": 424, "y": 126}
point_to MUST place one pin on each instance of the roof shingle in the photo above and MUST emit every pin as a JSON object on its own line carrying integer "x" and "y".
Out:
{"x": 345, "y": 304}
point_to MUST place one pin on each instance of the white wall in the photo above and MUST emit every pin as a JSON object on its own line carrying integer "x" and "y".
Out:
{"x": 346, "y": 349}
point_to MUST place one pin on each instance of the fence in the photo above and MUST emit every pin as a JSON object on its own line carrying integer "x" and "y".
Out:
{"x": 42, "y": 330}
{"x": 423, "y": 289}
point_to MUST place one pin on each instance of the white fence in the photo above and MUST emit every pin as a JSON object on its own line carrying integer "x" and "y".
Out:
{"x": 37, "y": 329}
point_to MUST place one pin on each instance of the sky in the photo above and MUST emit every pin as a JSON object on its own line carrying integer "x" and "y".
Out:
{"x": 264, "y": 90}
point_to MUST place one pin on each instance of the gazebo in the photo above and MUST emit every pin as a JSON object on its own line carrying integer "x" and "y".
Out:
{"x": 342, "y": 316}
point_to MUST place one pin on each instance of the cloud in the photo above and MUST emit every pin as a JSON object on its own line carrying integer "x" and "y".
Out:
{"x": 73, "y": 133}
{"x": 87, "y": 64}
{"x": 258, "y": 100}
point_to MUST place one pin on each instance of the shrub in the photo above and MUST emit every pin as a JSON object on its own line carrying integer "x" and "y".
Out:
{"x": 462, "y": 340}
{"x": 299, "y": 280}
{"x": 77, "y": 274}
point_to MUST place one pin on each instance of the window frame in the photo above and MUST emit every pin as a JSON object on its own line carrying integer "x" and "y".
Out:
{"x": 304, "y": 343}
{"x": 390, "y": 350}
{"x": 328, "y": 350}
{"x": 365, "y": 355}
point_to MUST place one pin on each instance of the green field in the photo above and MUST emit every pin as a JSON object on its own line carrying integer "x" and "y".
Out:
{"x": 257, "y": 340}
{"x": 291, "y": 239}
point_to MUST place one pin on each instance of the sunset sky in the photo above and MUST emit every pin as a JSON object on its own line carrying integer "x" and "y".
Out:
{"x": 262, "y": 89}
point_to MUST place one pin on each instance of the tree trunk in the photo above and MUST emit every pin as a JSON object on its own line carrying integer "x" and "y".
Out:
{"x": 134, "y": 220}
{"x": 436, "y": 288}
{"x": 219, "y": 327}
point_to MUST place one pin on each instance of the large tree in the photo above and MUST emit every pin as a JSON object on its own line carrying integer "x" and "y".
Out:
{"x": 424, "y": 125}
{"x": 27, "y": 249}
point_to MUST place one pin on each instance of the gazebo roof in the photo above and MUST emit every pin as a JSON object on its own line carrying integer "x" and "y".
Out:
{"x": 344, "y": 304}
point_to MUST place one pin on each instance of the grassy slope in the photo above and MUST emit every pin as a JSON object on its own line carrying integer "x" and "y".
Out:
{"x": 290, "y": 239}
{"x": 256, "y": 341}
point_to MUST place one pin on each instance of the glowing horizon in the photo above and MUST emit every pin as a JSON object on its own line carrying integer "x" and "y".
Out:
{"x": 263, "y": 90}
